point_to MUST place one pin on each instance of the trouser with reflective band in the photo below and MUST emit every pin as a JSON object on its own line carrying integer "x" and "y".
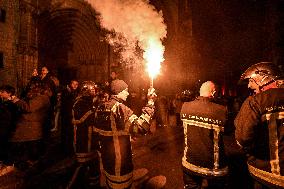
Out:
{"x": 117, "y": 161}
{"x": 264, "y": 179}
{"x": 87, "y": 156}
{"x": 119, "y": 182}
{"x": 91, "y": 165}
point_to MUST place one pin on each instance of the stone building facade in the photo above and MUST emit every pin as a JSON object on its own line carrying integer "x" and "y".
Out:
{"x": 8, "y": 40}
{"x": 62, "y": 35}
{"x": 65, "y": 36}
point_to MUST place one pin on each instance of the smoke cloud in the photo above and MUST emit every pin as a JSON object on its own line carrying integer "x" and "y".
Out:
{"x": 134, "y": 23}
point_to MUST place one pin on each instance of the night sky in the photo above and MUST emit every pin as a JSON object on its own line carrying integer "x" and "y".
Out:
{"x": 227, "y": 37}
{"x": 231, "y": 32}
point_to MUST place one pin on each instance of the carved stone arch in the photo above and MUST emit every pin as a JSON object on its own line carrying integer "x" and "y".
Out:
{"x": 70, "y": 41}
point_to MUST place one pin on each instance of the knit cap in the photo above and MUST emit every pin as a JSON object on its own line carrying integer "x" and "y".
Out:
{"x": 117, "y": 86}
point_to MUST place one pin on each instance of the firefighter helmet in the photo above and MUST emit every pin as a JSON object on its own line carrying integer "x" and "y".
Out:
{"x": 88, "y": 88}
{"x": 262, "y": 73}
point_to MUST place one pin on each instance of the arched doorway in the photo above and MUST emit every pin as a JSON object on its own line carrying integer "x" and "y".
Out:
{"x": 71, "y": 43}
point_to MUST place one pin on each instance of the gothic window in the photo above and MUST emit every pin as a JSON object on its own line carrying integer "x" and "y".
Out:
{"x": 2, "y": 15}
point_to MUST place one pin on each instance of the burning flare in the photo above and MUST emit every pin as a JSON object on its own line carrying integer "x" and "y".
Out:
{"x": 135, "y": 23}
{"x": 153, "y": 56}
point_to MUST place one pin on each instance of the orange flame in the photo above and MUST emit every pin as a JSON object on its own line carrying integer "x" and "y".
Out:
{"x": 154, "y": 57}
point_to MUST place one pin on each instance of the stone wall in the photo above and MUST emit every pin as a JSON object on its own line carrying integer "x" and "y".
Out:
{"x": 8, "y": 41}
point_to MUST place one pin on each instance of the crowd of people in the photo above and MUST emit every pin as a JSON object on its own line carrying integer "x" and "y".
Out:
{"x": 29, "y": 120}
{"x": 97, "y": 125}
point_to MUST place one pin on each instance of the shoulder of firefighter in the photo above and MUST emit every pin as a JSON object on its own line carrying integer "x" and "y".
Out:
{"x": 259, "y": 131}
{"x": 114, "y": 118}
{"x": 204, "y": 124}
{"x": 83, "y": 109}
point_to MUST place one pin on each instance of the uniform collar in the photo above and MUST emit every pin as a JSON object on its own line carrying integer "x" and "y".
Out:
{"x": 114, "y": 97}
{"x": 205, "y": 98}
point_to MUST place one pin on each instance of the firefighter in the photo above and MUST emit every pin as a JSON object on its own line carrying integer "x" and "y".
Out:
{"x": 115, "y": 122}
{"x": 260, "y": 127}
{"x": 204, "y": 122}
{"x": 85, "y": 142}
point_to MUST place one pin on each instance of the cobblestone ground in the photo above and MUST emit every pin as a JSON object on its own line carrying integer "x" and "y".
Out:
{"x": 160, "y": 152}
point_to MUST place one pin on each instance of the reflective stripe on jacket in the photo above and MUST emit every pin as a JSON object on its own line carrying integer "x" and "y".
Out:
{"x": 203, "y": 122}
{"x": 260, "y": 132}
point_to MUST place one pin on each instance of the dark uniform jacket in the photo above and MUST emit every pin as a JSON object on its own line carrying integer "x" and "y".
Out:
{"x": 68, "y": 97}
{"x": 115, "y": 122}
{"x": 260, "y": 131}
{"x": 85, "y": 142}
{"x": 203, "y": 122}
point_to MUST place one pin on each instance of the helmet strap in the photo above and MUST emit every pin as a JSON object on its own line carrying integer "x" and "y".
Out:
{"x": 261, "y": 87}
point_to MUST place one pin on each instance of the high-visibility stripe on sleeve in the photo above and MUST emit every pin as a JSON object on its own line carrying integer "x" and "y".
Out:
{"x": 132, "y": 118}
{"x": 145, "y": 117}
{"x": 114, "y": 108}
{"x": 140, "y": 121}
{"x": 83, "y": 118}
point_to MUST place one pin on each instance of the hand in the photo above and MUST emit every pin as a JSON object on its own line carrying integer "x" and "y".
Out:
{"x": 148, "y": 110}
{"x": 11, "y": 98}
{"x": 151, "y": 93}
{"x": 14, "y": 99}
{"x": 35, "y": 73}
{"x": 151, "y": 96}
